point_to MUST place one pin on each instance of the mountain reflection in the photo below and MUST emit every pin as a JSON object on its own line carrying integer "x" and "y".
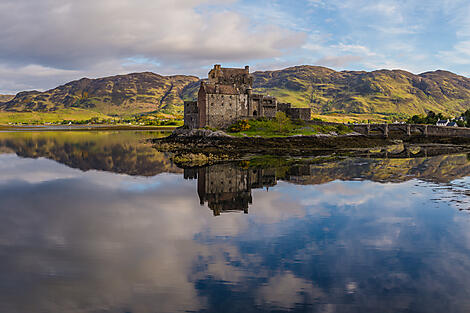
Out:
{"x": 125, "y": 152}
{"x": 228, "y": 187}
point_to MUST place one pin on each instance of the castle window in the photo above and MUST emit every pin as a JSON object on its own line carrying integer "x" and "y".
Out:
{"x": 255, "y": 113}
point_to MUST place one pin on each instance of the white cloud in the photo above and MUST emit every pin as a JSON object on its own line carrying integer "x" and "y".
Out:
{"x": 338, "y": 61}
{"x": 85, "y": 35}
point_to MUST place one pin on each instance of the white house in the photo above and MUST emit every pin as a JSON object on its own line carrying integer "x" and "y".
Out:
{"x": 442, "y": 122}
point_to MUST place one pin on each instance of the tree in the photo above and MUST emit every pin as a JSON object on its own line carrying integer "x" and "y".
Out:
{"x": 282, "y": 120}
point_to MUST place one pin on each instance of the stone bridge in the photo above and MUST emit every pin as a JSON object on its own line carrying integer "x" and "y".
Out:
{"x": 407, "y": 129}
{"x": 411, "y": 129}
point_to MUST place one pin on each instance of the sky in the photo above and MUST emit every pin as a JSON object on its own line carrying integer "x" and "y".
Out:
{"x": 45, "y": 43}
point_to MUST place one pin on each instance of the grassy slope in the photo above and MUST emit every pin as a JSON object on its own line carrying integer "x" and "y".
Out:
{"x": 122, "y": 95}
{"x": 272, "y": 128}
{"x": 387, "y": 93}
{"x": 5, "y": 98}
{"x": 48, "y": 117}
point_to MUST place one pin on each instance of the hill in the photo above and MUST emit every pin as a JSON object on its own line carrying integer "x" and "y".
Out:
{"x": 116, "y": 95}
{"x": 383, "y": 91}
{"x": 386, "y": 92}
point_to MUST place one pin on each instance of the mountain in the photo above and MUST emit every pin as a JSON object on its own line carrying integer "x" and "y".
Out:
{"x": 388, "y": 92}
{"x": 116, "y": 95}
{"x": 383, "y": 91}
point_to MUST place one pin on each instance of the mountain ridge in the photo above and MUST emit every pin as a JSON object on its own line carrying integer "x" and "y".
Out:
{"x": 389, "y": 92}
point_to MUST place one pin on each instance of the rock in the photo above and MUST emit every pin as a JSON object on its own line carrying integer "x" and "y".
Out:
{"x": 184, "y": 132}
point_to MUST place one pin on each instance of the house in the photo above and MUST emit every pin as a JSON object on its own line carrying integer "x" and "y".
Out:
{"x": 452, "y": 124}
{"x": 442, "y": 122}
{"x": 227, "y": 96}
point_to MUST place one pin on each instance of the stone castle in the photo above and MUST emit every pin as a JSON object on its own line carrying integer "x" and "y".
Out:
{"x": 228, "y": 96}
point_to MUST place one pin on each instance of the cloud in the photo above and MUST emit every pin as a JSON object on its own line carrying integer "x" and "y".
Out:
{"x": 74, "y": 35}
{"x": 338, "y": 61}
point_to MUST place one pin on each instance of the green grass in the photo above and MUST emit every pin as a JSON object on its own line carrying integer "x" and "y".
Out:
{"x": 272, "y": 128}
{"x": 81, "y": 116}
{"x": 73, "y": 114}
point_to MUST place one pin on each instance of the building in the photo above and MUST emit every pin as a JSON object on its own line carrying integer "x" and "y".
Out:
{"x": 442, "y": 122}
{"x": 227, "y": 96}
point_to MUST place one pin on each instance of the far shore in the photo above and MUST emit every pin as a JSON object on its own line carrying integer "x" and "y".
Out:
{"x": 99, "y": 127}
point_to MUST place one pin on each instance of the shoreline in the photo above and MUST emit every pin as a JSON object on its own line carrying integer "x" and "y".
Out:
{"x": 210, "y": 147}
{"x": 82, "y": 128}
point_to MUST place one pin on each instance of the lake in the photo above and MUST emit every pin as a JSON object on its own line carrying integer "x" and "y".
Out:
{"x": 102, "y": 222}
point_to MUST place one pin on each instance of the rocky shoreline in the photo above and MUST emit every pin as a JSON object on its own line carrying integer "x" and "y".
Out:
{"x": 200, "y": 147}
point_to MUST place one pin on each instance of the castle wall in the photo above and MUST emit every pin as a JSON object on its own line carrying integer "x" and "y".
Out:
{"x": 224, "y": 109}
{"x": 268, "y": 111}
{"x": 191, "y": 114}
{"x": 299, "y": 113}
{"x": 283, "y": 107}
{"x": 202, "y": 106}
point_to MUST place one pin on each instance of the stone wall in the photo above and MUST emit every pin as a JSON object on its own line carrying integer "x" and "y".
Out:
{"x": 191, "y": 114}
{"x": 222, "y": 109}
{"x": 283, "y": 107}
{"x": 299, "y": 113}
{"x": 202, "y": 106}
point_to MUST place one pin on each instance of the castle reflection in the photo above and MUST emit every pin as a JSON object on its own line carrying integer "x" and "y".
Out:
{"x": 227, "y": 187}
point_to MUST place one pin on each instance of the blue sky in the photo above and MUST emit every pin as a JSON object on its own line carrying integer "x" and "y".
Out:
{"x": 49, "y": 42}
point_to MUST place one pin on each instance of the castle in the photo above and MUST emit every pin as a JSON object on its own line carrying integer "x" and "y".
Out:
{"x": 228, "y": 96}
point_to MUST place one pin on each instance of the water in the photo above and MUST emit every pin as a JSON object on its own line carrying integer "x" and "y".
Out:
{"x": 101, "y": 222}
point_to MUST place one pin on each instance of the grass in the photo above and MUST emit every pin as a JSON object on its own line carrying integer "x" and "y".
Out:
{"x": 82, "y": 116}
{"x": 73, "y": 114}
{"x": 359, "y": 118}
{"x": 274, "y": 128}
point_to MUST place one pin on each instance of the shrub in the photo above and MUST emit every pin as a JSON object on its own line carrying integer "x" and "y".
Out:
{"x": 239, "y": 126}
{"x": 283, "y": 121}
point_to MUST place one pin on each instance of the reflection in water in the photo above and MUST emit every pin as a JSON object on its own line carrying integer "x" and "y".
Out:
{"x": 227, "y": 187}
{"x": 353, "y": 235}
{"x": 118, "y": 152}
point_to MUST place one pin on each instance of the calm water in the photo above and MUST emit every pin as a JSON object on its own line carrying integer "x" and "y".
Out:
{"x": 101, "y": 222}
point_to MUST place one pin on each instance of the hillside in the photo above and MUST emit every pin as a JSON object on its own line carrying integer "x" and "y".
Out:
{"x": 116, "y": 95}
{"x": 384, "y": 92}
{"x": 6, "y": 98}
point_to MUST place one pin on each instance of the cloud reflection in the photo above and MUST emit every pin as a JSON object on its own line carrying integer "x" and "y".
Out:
{"x": 75, "y": 241}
